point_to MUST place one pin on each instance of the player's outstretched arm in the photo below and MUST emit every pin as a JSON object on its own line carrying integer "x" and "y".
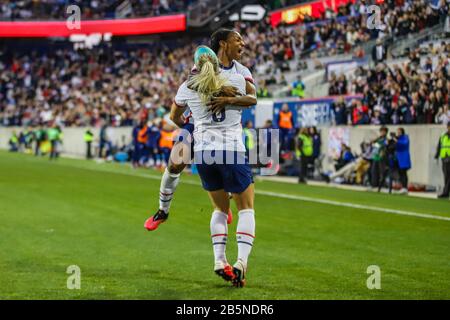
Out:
{"x": 176, "y": 114}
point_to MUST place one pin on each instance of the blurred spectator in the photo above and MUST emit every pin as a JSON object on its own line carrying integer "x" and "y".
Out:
{"x": 346, "y": 156}
{"x": 298, "y": 88}
{"x": 262, "y": 91}
{"x": 358, "y": 167}
{"x": 338, "y": 85}
{"x": 140, "y": 139}
{"x": 249, "y": 138}
{"x": 54, "y": 135}
{"x": 339, "y": 109}
{"x": 403, "y": 157}
{"x": 379, "y": 159}
{"x": 166, "y": 142}
{"x": 105, "y": 145}
{"x": 363, "y": 162}
{"x": 286, "y": 126}
{"x": 39, "y": 138}
{"x": 154, "y": 134}
{"x": 379, "y": 52}
{"x": 443, "y": 153}
{"x": 88, "y": 137}
{"x": 443, "y": 115}
{"x": 360, "y": 113}
{"x": 317, "y": 142}
{"x": 304, "y": 151}
{"x": 13, "y": 142}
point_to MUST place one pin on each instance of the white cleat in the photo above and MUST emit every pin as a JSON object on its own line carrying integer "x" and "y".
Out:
{"x": 239, "y": 270}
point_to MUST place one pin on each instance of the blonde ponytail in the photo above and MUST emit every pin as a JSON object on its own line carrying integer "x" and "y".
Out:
{"x": 207, "y": 82}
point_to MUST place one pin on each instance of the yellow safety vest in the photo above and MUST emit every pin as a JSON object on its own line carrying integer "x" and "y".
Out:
{"x": 307, "y": 146}
{"x": 14, "y": 139}
{"x": 249, "y": 141}
{"x": 263, "y": 93}
{"x": 298, "y": 91}
{"x": 88, "y": 136}
{"x": 445, "y": 146}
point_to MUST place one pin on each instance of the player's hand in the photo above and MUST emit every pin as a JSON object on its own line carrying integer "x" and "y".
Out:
{"x": 217, "y": 104}
{"x": 228, "y": 91}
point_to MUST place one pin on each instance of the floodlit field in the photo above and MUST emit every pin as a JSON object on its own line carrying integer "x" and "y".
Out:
{"x": 73, "y": 212}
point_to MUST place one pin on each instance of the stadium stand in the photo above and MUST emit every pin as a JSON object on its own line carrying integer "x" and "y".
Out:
{"x": 91, "y": 9}
{"x": 76, "y": 88}
{"x": 406, "y": 93}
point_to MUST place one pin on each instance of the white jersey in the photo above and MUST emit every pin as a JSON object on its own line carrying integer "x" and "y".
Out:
{"x": 222, "y": 131}
{"x": 234, "y": 68}
{"x": 238, "y": 68}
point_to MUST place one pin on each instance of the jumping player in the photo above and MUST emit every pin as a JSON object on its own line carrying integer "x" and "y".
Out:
{"x": 228, "y": 46}
{"x": 219, "y": 153}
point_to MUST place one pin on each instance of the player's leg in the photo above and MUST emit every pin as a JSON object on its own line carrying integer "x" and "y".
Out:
{"x": 239, "y": 181}
{"x": 219, "y": 233}
{"x": 169, "y": 183}
{"x": 245, "y": 232}
{"x": 212, "y": 182}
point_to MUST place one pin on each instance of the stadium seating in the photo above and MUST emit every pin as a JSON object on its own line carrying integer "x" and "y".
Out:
{"x": 77, "y": 88}
{"x": 96, "y": 9}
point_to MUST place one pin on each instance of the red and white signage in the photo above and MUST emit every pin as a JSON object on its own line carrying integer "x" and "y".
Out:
{"x": 314, "y": 9}
{"x": 117, "y": 27}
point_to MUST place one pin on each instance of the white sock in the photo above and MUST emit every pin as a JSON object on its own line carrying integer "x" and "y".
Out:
{"x": 219, "y": 235}
{"x": 169, "y": 184}
{"x": 245, "y": 234}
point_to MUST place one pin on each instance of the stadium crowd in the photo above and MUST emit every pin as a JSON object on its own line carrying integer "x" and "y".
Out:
{"x": 90, "y": 9}
{"x": 78, "y": 88}
{"x": 344, "y": 31}
{"x": 416, "y": 91}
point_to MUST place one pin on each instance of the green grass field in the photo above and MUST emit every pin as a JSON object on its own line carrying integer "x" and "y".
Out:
{"x": 74, "y": 212}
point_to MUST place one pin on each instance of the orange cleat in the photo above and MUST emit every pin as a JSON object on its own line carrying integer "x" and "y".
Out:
{"x": 154, "y": 221}
{"x": 226, "y": 273}
{"x": 230, "y": 216}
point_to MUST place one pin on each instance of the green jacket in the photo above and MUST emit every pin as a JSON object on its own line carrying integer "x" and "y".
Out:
{"x": 39, "y": 134}
{"x": 380, "y": 149}
{"x": 53, "y": 134}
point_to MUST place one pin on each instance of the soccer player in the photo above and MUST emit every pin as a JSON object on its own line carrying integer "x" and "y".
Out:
{"x": 219, "y": 153}
{"x": 228, "y": 46}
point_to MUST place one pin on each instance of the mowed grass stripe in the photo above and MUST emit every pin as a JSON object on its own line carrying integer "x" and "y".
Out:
{"x": 103, "y": 168}
{"x": 55, "y": 215}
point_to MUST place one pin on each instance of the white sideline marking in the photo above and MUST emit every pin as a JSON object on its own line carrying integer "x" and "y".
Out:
{"x": 352, "y": 205}
{"x": 295, "y": 197}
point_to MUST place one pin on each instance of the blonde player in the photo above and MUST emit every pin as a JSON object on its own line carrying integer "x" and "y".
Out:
{"x": 219, "y": 153}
